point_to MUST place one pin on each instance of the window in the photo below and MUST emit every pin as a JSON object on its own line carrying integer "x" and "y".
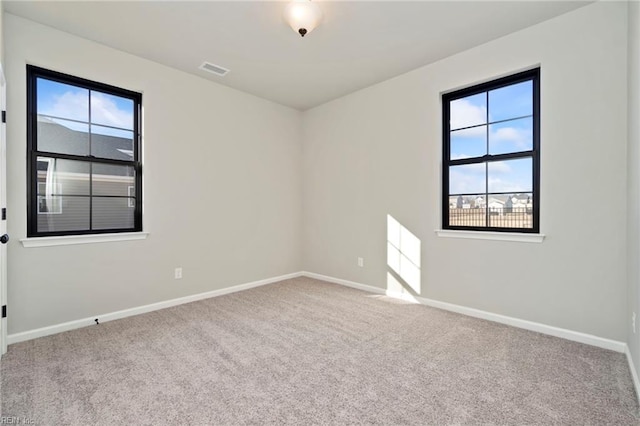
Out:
{"x": 491, "y": 155}
{"x": 85, "y": 173}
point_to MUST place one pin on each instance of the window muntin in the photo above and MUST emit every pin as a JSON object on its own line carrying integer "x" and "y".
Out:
{"x": 84, "y": 156}
{"x": 491, "y": 155}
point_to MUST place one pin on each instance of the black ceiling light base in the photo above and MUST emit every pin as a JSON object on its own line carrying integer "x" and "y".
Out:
{"x": 302, "y": 31}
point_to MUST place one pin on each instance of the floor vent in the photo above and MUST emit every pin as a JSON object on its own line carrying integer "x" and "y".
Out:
{"x": 214, "y": 69}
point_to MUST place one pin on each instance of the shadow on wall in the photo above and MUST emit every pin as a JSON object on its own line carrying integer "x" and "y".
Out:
{"x": 403, "y": 259}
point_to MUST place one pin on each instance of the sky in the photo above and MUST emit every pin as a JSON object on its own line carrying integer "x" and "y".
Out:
{"x": 495, "y": 123}
{"x": 64, "y": 101}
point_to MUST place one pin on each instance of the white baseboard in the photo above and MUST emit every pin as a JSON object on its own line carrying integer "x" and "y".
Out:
{"x": 346, "y": 283}
{"x": 634, "y": 373}
{"x": 575, "y": 336}
{"x": 72, "y": 325}
{"x": 515, "y": 322}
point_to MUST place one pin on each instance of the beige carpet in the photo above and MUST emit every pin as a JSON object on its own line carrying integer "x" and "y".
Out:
{"x": 307, "y": 352}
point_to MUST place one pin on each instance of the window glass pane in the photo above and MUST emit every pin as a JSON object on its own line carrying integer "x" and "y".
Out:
{"x": 110, "y": 179}
{"x": 62, "y": 136}
{"x": 112, "y": 213}
{"x": 467, "y": 179}
{"x": 511, "y": 136}
{"x": 57, "y": 214}
{"x": 511, "y": 210}
{"x": 469, "y": 111}
{"x": 468, "y": 210}
{"x": 111, "y": 143}
{"x": 469, "y": 143}
{"x": 511, "y": 101}
{"x": 66, "y": 177}
{"x": 49, "y": 204}
{"x": 62, "y": 100}
{"x": 511, "y": 175}
{"x": 110, "y": 110}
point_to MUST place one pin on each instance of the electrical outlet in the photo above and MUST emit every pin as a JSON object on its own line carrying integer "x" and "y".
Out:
{"x": 633, "y": 322}
{"x": 177, "y": 273}
{"x": 361, "y": 262}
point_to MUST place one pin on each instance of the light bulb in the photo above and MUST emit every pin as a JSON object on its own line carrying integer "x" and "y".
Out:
{"x": 303, "y": 16}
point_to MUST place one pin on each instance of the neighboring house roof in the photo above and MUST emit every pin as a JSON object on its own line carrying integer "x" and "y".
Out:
{"x": 104, "y": 146}
{"x": 69, "y": 141}
{"x": 515, "y": 199}
{"x": 522, "y": 197}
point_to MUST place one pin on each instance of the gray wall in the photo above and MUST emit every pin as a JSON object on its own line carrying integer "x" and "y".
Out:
{"x": 633, "y": 181}
{"x": 222, "y": 191}
{"x": 377, "y": 152}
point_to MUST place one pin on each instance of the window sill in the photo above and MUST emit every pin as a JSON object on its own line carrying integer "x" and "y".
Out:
{"x": 82, "y": 239}
{"x": 495, "y": 236}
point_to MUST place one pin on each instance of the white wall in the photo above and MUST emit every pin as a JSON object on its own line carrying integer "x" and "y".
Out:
{"x": 633, "y": 181}
{"x": 224, "y": 198}
{"x": 2, "y": 31}
{"x": 378, "y": 152}
{"x": 222, "y": 191}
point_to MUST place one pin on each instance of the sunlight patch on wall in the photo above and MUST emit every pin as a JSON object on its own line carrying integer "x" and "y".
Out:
{"x": 403, "y": 256}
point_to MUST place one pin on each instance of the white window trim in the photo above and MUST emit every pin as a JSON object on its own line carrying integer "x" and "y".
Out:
{"x": 495, "y": 236}
{"x": 82, "y": 239}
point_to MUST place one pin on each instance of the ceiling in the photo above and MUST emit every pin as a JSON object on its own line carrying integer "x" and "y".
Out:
{"x": 358, "y": 43}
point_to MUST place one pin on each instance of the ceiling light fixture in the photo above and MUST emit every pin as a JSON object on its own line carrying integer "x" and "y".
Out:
{"x": 303, "y": 16}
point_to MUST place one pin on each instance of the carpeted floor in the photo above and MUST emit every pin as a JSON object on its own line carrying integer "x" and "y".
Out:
{"x": 304, "y": 351}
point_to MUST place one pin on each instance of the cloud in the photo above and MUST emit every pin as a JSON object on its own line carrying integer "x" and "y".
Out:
{"x": 467, "y": 179}
{"x": 460, "y": 156}
{"x": 70, "y": 105}
{"x": 498, "y": 185}
{"x": 465, "y": 114}
{"x": 104, "y": 109}
{"x": 520, "y": 138}
{"x": 471, "y": 178}
{"x": 499, "y": 167}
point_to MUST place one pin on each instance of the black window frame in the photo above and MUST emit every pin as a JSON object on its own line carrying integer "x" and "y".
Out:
{"x": 532, "y": 75}
{"x": 33, "y": 73}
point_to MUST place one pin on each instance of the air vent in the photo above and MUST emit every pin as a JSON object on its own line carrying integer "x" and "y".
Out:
{"x": 214, "y": 69}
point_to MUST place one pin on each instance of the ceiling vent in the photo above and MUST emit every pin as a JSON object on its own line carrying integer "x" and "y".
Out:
{"x": 214, "y": 69}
